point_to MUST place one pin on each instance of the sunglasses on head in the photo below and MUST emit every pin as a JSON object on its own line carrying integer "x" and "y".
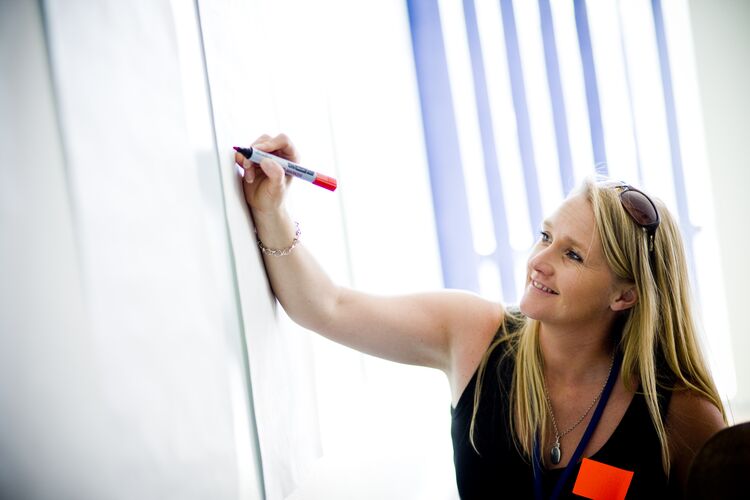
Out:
{"x": 641, "y": 209}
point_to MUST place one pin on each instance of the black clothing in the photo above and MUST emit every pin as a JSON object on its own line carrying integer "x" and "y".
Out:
{"x": 500, "y": 471}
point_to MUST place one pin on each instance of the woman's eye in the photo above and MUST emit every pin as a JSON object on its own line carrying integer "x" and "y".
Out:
{"x": 545, "y": 236}
{"x": 574, "y": 256}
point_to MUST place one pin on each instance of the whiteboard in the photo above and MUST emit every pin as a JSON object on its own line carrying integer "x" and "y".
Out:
{"x": 126, "y": 332}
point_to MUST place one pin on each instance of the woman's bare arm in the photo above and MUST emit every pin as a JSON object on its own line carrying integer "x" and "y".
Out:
{"x": 444, "y": 330}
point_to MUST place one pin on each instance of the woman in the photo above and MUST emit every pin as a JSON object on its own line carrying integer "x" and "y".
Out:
{"x": 601, "y": 360}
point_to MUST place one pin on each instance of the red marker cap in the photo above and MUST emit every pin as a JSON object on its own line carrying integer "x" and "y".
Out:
{"x": 325, "y": 182}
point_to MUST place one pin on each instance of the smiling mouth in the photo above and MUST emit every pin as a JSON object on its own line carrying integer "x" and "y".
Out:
{"x": 543, "y": 288}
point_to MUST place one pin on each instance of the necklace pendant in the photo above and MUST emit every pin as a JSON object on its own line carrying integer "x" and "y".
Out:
{"x": 555, "y": 454}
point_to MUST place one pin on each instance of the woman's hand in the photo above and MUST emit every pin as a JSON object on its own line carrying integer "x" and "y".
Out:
{"x": 265, "y": 184}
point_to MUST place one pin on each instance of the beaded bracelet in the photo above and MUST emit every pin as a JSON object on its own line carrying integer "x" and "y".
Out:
{"x": 280, "y": 252}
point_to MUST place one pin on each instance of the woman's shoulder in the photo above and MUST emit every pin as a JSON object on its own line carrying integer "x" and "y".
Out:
{"x": 472, "y": 347}
{"x": 504, "y": 326}
{"x": 692, "y": 416}
{"x": 692, "y": 419}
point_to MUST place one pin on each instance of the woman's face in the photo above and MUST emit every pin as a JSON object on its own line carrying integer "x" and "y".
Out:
{"x": 568, "y": 281}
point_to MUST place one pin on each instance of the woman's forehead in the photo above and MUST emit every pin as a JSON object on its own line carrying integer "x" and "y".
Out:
{"x": 574, "y": 216}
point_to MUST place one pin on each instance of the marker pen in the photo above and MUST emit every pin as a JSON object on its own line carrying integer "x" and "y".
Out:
{"x": 256, "y": 155}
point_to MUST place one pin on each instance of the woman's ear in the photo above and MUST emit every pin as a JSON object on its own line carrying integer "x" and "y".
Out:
{"x": 624, "y": 299}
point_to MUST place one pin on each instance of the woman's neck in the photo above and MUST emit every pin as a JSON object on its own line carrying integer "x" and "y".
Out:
{"x": 575, "y": 355}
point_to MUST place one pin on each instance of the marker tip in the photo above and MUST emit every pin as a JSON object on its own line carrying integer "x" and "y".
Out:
{"x": 236, "y": 148}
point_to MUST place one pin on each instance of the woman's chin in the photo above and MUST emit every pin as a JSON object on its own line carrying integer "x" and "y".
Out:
{"x": 533, "y": 308}
{"x": 527, "y": 308}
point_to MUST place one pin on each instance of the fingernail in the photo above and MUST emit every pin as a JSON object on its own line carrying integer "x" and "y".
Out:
{"x": 248, "y": 177}
{"x": 261, "y": 145}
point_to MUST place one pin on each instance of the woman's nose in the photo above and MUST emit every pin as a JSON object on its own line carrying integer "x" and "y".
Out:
{"x": 539, "y": 262}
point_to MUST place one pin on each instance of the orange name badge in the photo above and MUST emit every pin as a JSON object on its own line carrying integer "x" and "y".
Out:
{"x": 600, "y": 481}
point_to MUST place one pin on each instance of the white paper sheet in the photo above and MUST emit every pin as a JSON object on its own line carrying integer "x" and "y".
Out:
{"x": 279, "y": 353}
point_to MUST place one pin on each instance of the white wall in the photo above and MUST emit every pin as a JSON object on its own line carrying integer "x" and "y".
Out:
{"x": 722, "y": 50}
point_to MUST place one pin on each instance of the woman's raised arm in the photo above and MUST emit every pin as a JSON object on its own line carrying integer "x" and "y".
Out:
{"x": 448, "y": 330}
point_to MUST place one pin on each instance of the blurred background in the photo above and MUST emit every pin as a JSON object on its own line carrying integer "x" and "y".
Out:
{"x": 142, "y": 354}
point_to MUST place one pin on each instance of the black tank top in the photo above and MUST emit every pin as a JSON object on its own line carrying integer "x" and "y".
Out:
{"x": 500, "y": 471}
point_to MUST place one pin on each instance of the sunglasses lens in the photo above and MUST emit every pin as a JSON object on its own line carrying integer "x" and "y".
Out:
{"x": 639, "y": 207}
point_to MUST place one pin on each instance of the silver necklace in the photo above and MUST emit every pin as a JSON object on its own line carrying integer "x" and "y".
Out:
{"x": 556, "y": 450}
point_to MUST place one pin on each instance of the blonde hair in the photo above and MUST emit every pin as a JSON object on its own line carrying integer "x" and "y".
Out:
{"x": 659, "y": 339}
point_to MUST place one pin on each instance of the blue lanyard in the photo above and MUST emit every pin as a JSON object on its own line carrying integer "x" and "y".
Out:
{"x": 536, "y": 456}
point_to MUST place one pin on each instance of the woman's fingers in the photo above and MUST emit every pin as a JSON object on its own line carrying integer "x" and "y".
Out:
{"x": 262, "y": 138}
{"x": 265, "y": 184}
{"x": 247, "y": 166}
{"x": 249, "y": 172}
{"x": 273, "y": 171}
{"x": 279, "y": 145}
{"x": 270, "y": 169}
{"x": 261, "y": 143}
